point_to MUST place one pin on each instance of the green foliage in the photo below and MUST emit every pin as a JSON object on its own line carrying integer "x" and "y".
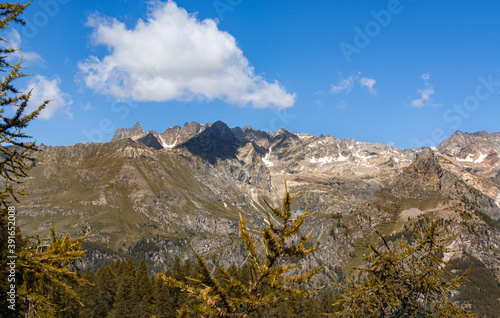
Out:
{"x": 101, "y": 299}
{"x": 121, "y": 290}
{"x": 47, "y": 267}
{"x": 404, "y": 281}
{"x": 270, "y": 277}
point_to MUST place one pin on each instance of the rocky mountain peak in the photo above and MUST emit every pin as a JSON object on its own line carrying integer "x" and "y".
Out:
{"x": 191, "y": 127}
{"x": 168, "y": 138}
{"x": 248, "y": 134}
{"x": 281, "y": 131}
{"x": 427, "y": 162}
{"x": 133, "y": 133}
{"x": 221, "y": 128}
{"x": 473, "y": 147}
{"x": 421, "y": 176}
{"x": 188, "y": 131}
{"x": 482, "y": 133}
{"x": 151, "y": 140}
{"x": 194, "y": 191}
{"x": 216, "y": 141}
{"x": 430, "y": 177}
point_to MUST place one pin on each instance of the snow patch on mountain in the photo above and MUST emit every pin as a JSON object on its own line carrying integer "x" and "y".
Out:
{"x": 470, "y": 158}
{"x": 163, "y": 143}
{"x": 327, "y": 159}
{"x": 266, "y": 160}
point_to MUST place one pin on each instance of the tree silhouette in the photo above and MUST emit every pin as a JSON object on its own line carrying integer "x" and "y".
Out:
{"x": 270, "y": 277}
{"x": 404, "y": 281}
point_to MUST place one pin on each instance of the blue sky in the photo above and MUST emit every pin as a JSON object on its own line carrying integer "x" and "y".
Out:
{"x": 407, "y": 73}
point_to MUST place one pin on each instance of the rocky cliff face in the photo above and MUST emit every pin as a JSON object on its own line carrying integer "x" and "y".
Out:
{"x": 216, "y": 142}
{"x": 151, "y": 139}
{"x": 427, "y": 178}
{"x": 133, "y": 133}
{"x": 154, "y": 194}
{"x": 479, "y": 147}
{"x": 176, "y": 135}
{"x": 432, "y": 187}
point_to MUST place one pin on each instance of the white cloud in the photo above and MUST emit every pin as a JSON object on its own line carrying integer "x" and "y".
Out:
{"x": 425, "y": 94}
{"x": 43, "y": 89}
{"x": 13, "y": 39}
{"x": 368, "y": 82}
{"x": 174, "y": 56}
{"x": 425, "y": 97}
{"x": 88, "y": 106}
{"x": 426, "y": 76}
{"x": 345, "y": 85}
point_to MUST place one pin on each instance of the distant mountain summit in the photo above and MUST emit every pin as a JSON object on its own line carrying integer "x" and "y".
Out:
{"x": 217, "y": 141}
{"x": 463, "y": 162}
{"x": 424, "y": 175}
{"x": 427, "y": 179}
{"x": 176, "y": 135}
{"x": 133, "y": 133}
{"x": 478, "y": 147}
{"x": 151, "y": 139}
{"x": 155, "y": 194}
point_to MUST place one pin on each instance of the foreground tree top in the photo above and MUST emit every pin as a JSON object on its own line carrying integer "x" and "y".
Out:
{"x": 269, "y": 263}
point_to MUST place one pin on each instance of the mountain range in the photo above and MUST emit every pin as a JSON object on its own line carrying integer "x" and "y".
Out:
{"x": 145, "y": 194}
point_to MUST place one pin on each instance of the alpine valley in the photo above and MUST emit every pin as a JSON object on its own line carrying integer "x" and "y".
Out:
{"x": 150, "y": 195}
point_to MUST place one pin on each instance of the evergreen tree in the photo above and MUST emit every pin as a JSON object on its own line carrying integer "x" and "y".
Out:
{"x": 409, "y": 281}
{"x": 141, "y": 291}
{"x": 14, "y": 150}
{"x": 89, "y": 296}
{"x": 124, "y": 305}
{"x": 47, "y": 267}
{"x": 326, "y": 301}
{"x": 163, "y": 305}
{"x": 270, "y": 271}
{"x": 106, "y": 283}
{"x": 42, "y": 265}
